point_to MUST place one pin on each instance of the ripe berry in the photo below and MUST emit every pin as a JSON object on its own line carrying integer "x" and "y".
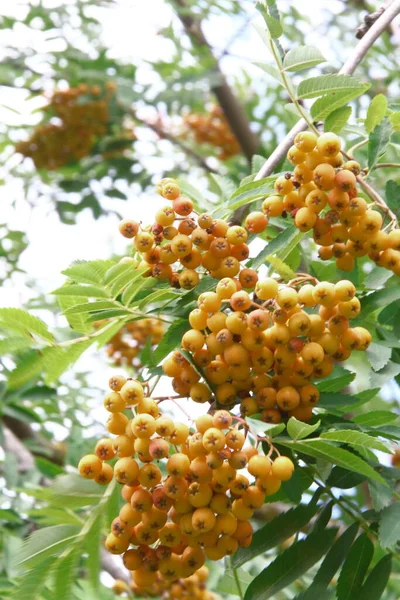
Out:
{"x": 129, "y": 228}
{"x": 282, "y": 468}
{"x": 90, "y": 466}
{"x": 328, "y": 144}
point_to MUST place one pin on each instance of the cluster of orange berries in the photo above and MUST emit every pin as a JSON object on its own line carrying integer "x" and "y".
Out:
{"x": 266, "y": 352}
{"x": 200, "y": 508}
{"x": 213, "y": 128}
{"x": 188, "y": 588}
{"x": 321, "y": 196}
{"x": 84, "y": 115}
{"x": 181, "y": 245}
{"x": 125, "y": 346}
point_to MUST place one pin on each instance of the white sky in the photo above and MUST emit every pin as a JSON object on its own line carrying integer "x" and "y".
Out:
{"x": 130, "y": 30}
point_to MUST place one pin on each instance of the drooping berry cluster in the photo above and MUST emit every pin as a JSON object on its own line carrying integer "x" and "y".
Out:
{"x": 84, "y": 115}
{"x": 213, "y": 128}
{"x": 187, "y": 588}
{"x": 182, "y": 245}
{"x": 266, "y": 352}
{"x": 201, "y": 508}
{"x": 321, "y": 196}
{"x": 125, "y": 346}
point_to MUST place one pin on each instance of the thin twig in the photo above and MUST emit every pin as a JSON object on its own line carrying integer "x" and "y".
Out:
{"x": 237, "y": 581}
{"x": 387, "y": 166}
{"x": 171, "y": 138}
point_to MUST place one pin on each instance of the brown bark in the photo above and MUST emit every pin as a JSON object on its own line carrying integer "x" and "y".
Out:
{"x": 232, "y": 108}
{"x": 45, "y": 448}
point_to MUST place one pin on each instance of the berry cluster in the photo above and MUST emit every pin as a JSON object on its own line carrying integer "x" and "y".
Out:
{"x": 181, "y": 245}
{"x": 213, "y": 128}
{"x": 84, "y": 115}
{"x": 201, "y": 508}
{"x": 321, "y": 196}
{"x": 186, "y": 588}
{"x": 266, "y": 351}
{"x": 125, "y": 346}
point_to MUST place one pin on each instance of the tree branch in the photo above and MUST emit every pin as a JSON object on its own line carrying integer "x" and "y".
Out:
{"x": 174, "y": 140}
{"x": 348, "y": 68}
{"x": 232, "y": 108}
{"x": 45, "y": 448}
{"x": 108, "y": 564}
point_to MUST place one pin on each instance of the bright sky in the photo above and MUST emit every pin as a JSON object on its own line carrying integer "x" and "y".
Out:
{"x": 54, "y": 245}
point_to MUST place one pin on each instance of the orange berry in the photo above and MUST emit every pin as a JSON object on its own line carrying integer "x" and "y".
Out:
{"x": 282, "y": 468}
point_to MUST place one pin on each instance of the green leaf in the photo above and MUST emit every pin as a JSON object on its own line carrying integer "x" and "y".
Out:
{"x": 275, "y": 532}
{"x": 77, "y": 322}
{"x": 133, "y": 288}
{"x": 89, "y": 271}
{"x": 227, "y": 582}
{"x": 29, "y": 367}
{"x": 355, "y": 568}
{"x": 303, "y": 57}
{"x": 48, "y": 468}
{"x": 335, "y": 384}
{"x": 290, "y": 565}
{"x": 89, "y": 307}
{"x": 379, "y": 299}
{"x": 378, "y": 142}
{"x": 15, "y": 344}
{"x": 389, "y": 526}
{"x": 377, "y": 277}
{"x": 119, "y": 276}
{"x": 392, "y": 191}
{"x": 191, "y": 191}
{"x": 375, "y": 418}
{"x": 336, "y": 401}
{"x": 325, "y": 105}
{"x": 324, "y": 84}
{"x": 381, "y": 495}
{"x": 171, "y": 339}
{"x": 16, "y": 319}
{"x": 337, "y": 456}
{"x": 32, "y": 582}
{"x": 337, "y": 119}
{"x": 355, "y": 438}
{"x": 270, "y": 429}
{"x": 114, "y": 193}
{"x": 377, "y": 580}
{"x": 107, "y": 332}
{"x": 334, "y": 558}
{"x": 376, "y": 112}
{"x": 57, "y": 360}
{"x": 275, "y": 74}
{"x": 274, "y": 26}
{"x": 249, "y": 192}
{"x": 280, "y": 267}
{"x": 65, "y": 576}
{"x": 156, "y": 297}
{"x": 92, "y": 545}
{"x": 46, "y": 542}
{"x": 75, "y": 492}
{"x": 344, "y": 480}
{"x": 378, "y": 355}
{"x": 395, "y": 120}
{"x": 281, "y": 245}
{"x": 299, "y": 430}
{"x": 73, "y": 289}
